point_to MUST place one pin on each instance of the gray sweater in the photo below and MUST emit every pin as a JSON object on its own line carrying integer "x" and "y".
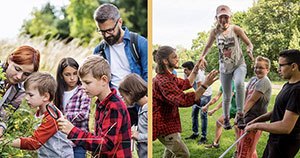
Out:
{"x": 142, "y": 144}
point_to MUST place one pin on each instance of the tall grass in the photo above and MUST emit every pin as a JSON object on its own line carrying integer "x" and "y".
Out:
{"x": 51, "y": 52}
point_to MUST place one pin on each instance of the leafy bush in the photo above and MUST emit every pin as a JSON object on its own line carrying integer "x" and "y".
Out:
{"x": 20, "y": 124}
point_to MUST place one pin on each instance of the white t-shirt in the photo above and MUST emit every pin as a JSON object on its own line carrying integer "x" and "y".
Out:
{"x": 201, "y": 75}
{"x": 201, "y": 78}
{"x": 67, "y": 96}
{"x": 119, "y": 63}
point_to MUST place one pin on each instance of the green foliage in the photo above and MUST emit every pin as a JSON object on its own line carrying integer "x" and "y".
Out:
{"x": 76, "y": 20}
{"x": 44, "y": 23}
{"x": 272, "y": 26}
{"x": 199, "y": 45}
{"x": 136, "y": 12}
{"x": 80, "y": 15}
{"x": 295, "y": 41}
{"x": 20, "y": 124}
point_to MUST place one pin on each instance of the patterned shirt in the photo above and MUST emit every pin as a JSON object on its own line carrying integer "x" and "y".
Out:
{"x": 77, "y": 109}
{"x": 168, "y": 95}
{"x": 112, "y": 130}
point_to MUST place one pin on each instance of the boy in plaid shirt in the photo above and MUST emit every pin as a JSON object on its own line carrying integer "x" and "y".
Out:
{"x": 112, "y": 121}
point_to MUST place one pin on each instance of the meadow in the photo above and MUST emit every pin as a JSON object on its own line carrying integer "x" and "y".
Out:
{"x": 227, "y": 138}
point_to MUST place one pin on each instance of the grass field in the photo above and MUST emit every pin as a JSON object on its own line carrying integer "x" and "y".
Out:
{"x": 227, "y": 139}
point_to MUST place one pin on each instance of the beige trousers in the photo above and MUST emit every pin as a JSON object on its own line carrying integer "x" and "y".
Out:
{"x": 174, "y": 146}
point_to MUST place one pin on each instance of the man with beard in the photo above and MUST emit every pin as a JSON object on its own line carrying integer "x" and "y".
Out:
{"x": 284, "y": 126}
{"x": 168, "y": 95}
{"x": 118, "y": 49}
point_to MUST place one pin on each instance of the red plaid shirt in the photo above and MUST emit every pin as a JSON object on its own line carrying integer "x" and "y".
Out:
{"x": 112, "y": 130}
{"x": 168, "y": 95}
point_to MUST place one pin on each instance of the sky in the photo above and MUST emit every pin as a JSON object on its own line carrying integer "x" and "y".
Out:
{"x": 14, "y": 12}
{"x": 177, "y": 22}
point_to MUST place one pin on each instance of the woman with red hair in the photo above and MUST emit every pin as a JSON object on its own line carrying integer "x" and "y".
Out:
{"x": 23, "y": 61}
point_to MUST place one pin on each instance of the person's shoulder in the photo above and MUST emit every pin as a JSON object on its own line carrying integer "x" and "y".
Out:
{"x": 235, "y": 26}
{"x": 214, "y": 31}
{"x": 237, "y": 29}
{"x": 265, "y": 80}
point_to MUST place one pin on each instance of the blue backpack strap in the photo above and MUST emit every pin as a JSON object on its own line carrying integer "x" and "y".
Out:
{"x": 100, "y": 49}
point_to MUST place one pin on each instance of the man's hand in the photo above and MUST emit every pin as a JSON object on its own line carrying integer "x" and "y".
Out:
{"x": 252, "y": 127}
{"x": 204, "y": 108}
{"x": 64, "y": 125}
{"x": 211, "y": 78}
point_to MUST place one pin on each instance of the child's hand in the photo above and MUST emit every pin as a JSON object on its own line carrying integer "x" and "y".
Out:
{"x": 64, "y": 125}
{"x": 202, "y": 63}
{"x": 135, "y": 134}
{"x": 211, "y": 112}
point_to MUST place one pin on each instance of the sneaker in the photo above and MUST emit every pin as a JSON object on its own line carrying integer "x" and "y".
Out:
{"x": 240, "y": 121}
{"x": 227, "y": 125}
{"x": 193, "y": 136}
{"x": 213, "y": 145}
{"x": 203, "y": 140}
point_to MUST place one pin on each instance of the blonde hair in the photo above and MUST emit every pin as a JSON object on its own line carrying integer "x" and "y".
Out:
{"x": 43, "y": 82}
{"x": 134, "y": 86}
{"x": 266, "y": 60}
{"x": 96, "y": 65}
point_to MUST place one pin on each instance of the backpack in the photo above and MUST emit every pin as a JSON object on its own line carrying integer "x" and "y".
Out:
{"x": 133, "y": 47}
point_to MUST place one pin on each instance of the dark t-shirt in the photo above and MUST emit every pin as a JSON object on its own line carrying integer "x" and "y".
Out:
{"x": 288, "y": 99}
{"x": 285, "y": 145}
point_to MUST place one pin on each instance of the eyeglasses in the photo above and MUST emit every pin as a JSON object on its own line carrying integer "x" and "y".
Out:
{"x": 109, "y": 31}
{"x": 281, "y": 65}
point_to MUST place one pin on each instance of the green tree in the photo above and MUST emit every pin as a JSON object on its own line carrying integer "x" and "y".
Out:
{"x": 42, "y": 23}
{"x": 136, "y": 12}
{"x": 80, "y": 15}
{"x": 198, "y": 46}
{"x": 295, "y": 41}
{"x": 270, "y": 26}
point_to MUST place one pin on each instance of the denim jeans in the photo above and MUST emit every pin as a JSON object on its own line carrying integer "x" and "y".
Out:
{"x": 238, "y": 76}
{"x": 79, "y": 152}
{"x": 203, "y": 101}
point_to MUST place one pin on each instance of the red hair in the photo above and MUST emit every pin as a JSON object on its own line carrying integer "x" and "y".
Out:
{"x": 25, "y": 55}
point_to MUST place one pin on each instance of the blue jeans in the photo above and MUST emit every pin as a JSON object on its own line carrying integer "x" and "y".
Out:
{"x": 79, "y": 152}
{"x": 203, "y": 101}
{"x": 238, "y": 76}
